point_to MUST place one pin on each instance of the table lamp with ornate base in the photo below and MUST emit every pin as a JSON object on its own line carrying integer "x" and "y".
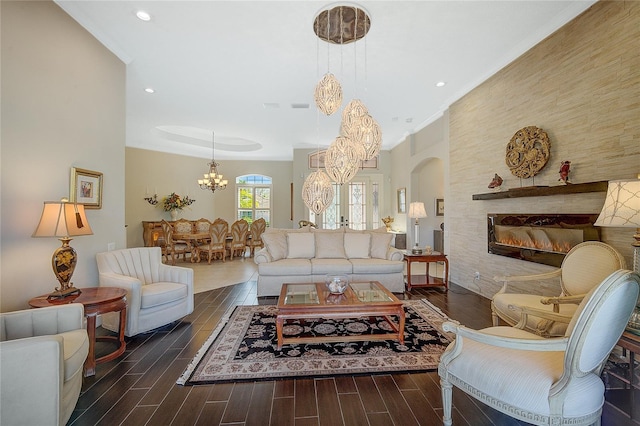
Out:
{"x": 63, "y": 219}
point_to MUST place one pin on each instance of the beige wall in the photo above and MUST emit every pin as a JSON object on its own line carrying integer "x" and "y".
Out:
{"x": 63, "y": 106}
{"x": 582, "y": 86}
{"x": 151, "y": 171}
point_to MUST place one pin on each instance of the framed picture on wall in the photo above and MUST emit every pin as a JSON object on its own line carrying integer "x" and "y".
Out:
{"x": 402, "y": 200}
{"x": 439, "y": 206}
{"x": 86, "y": 188}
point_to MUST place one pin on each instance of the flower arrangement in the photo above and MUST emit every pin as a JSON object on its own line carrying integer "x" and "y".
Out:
{"x": 174, "y": 202}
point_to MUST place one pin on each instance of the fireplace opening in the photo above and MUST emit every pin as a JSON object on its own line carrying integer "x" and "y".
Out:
{"x": 540, "y": 238}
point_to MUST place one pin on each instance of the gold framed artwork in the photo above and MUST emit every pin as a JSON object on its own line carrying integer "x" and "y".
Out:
{"x": 86, "y": 188}
{"x": 402, "y": 200}
{"x": 439, "y": 206}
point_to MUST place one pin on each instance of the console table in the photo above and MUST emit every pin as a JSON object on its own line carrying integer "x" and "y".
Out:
{"x": 426, "y": 280}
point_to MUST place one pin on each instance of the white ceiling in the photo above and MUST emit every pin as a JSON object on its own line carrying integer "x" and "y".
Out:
{"x": 215, "y": 64}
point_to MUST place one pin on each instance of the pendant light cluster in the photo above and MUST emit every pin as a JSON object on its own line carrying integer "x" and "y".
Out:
{"x": 360, "y": 135}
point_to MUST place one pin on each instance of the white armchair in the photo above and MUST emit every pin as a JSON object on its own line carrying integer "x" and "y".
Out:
{"x": 553, "y": 381}
{"x": 157, "y": 294}
{"x": 42, "y": 353}
{"x": 584, "y": 267}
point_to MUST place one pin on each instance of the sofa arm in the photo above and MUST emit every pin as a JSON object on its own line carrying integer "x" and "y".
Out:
{"x": 42, "y": 322}
{"x": 395, "y": 254}
{"x": 262, "y": 256}
{"x": 175, "y": 274}
{"x": 132, "y": 285}
{"x": 31, "y": 380}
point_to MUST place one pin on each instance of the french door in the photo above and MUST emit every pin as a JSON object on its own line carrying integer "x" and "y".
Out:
{"x": 355, "y": 205}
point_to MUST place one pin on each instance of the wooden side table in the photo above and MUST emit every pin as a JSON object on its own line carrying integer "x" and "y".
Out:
{"x": 426, "y": 280}
{"x": 96, "y": 301}
{"x": 630, "y": 342}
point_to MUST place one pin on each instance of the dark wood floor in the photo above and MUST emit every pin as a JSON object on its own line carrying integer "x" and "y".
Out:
{"x": 139, "y": 388}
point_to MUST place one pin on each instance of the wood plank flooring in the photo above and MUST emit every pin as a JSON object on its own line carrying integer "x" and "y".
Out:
{"x": 139, "y": 387}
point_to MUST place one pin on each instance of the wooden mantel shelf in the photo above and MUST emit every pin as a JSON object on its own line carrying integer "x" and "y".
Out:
{"x": 540, "y": 191}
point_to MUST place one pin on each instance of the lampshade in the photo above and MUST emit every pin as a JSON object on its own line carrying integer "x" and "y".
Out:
{"x": 328, "y": 94}
{"x": 622, "y": 205}
{"x": 417, "y": 211}
{"x": 62, "y": 219}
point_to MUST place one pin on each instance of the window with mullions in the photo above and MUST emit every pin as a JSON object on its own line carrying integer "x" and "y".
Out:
{"x": 253, "y": 198}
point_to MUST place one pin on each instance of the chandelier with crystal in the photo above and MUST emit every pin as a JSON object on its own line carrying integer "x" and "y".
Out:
{"x": 317, "y": 191}
{"x": 343, "y": 159}
{"x": 213, "y": 180}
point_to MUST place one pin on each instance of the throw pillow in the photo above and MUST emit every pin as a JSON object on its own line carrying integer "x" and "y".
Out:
{"x": 357, "y": 246}
{"x": 380, "y": 243}
{"x": 329, "y": 245}
{"x": 276, "y": 244}
{"x": 301, "y": 245}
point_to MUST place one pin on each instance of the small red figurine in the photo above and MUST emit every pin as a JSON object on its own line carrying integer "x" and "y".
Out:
{"x": 565, "y": 167}
{"x": 495, "y": 182}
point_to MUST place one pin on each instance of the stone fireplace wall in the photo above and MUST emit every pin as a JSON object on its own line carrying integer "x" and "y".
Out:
{"x": 581, "y": 85}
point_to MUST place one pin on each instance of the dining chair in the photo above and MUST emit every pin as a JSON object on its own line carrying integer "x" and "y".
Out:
{"x": 543, "y": 381}
{"x": 255, "y": 232}
{"x": 218, "y": 231}
{"x": 239, "y": 232}
{"x": 172, "y": 248}
{"x": 584, "y": 267}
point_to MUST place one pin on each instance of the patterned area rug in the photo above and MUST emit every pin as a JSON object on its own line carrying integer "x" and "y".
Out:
{"x": 243, "y": 346}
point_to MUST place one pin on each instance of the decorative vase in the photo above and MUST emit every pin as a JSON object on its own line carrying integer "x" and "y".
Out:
{"x": 174, "y": 214}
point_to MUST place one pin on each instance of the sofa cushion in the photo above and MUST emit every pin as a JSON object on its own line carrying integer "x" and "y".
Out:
{"x": 376, "y": 266}
{"x": 301, "y": 245}
{"x": 357, "y": 246}
{"x": 380, "y": 243}
{"x": 160, "y": 293}
{"x": 330, "y": 266}
{"x": 286, "y": 267}
{"x": 329, "y": 245}
{"x": 276, "y": 244}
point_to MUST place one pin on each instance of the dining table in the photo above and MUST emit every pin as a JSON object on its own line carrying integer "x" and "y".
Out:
{"x": 191, "y": 238}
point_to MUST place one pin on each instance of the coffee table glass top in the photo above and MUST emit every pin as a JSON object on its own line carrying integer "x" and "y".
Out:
{"x": 301, "y": 294}
{"x": 315, "y": 294}
{"x": 369, "y": 292}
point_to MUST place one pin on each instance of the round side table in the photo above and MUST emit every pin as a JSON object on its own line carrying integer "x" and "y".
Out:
{"x": 96, "y": 301}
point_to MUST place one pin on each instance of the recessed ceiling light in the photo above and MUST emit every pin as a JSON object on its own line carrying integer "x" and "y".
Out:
{"x": 440, "y": 84}
{"x": 149, "y": 90}
{"x": 143, "y": 16}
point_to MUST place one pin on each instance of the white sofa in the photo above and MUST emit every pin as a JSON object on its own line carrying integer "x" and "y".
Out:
{"x": 308, "y": 255}
{"x": 42, "y": 352}
{"x": 157, "y": 294}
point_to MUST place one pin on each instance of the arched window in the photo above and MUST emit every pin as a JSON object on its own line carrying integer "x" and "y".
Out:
{"x": 253, "y": 197}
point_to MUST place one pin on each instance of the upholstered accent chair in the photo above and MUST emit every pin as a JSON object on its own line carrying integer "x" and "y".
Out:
{"x": 584, "y": 267}
{"x": 544, "y": 381}
{"x": 42, "y": 354}
{"x": 157, "y": 294}
{"x": 257, "y": 229}
{"x": 238, "y": 243}
{"x": 216, "y": 245}
{"x": 172, "y": 248}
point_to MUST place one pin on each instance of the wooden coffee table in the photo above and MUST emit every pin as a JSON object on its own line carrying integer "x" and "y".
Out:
{"x": 361, "y": 299}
